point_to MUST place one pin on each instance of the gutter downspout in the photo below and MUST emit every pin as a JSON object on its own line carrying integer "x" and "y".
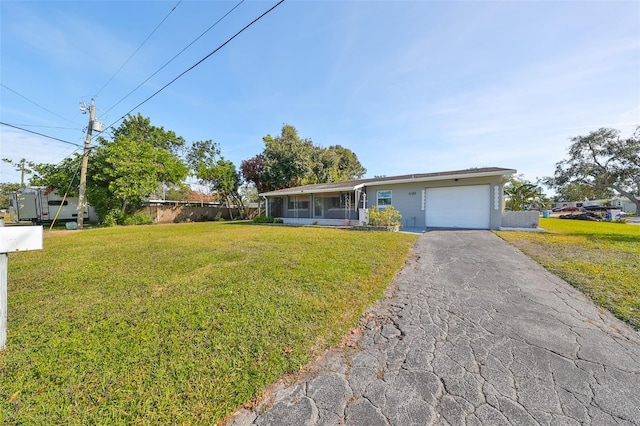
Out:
{"x": 266, "y": 205}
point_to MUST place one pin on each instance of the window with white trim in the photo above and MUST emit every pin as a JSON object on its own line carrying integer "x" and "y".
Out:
{"x": 384, "y": 197}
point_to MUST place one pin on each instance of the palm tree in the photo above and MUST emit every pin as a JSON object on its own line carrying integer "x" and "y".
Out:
{"x": 522, "y": 194}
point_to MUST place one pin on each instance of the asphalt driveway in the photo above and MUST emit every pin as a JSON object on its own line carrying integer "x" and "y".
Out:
{"x": 472, "y": 333}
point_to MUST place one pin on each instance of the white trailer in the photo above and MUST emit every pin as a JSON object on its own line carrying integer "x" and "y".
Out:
{"x": 41, "y": 205}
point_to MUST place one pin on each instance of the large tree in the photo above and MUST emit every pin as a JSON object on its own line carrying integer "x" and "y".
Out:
{"x": 289, "y": 160}
{"x": 123, "y": 171}
{"x": 212, "y": 170}
{"x": 602, "y": 159}
{"x": 575, "y": 191}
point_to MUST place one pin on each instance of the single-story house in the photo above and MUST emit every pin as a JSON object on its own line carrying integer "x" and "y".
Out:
{"x": 471, "y": 198}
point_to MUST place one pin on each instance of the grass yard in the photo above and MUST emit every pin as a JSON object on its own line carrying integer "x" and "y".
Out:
{"x": 601, "y": 259}
{"x": 178, "y": 324}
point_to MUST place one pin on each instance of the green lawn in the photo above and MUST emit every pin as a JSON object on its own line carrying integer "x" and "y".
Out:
{"x": 601, "y": 259}
{"x": 178, "y": 324}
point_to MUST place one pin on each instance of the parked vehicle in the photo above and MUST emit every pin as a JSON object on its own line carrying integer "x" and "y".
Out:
{"x": 40, "y": 205}
{"x": 597, "y": 208}
{"x": 570, "y": 209}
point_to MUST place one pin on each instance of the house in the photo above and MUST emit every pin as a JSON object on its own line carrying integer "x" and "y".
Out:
{"x": 471, "y": 198}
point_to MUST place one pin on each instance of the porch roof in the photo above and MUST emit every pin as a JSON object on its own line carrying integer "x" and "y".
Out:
{"x": 352, "y": 185}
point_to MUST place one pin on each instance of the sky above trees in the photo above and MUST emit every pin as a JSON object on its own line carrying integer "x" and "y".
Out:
{"x": 409, "y": 87}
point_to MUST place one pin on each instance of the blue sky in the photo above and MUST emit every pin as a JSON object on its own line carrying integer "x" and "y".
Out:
{"x": 410, "y": 87}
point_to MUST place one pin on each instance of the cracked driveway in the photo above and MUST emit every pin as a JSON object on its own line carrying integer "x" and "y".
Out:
{"x": 472, "y": 333}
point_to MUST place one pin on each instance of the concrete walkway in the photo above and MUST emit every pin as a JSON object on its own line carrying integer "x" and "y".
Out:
{"x": 472, "y": 333}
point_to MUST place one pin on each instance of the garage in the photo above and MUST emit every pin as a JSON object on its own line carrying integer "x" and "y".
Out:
{"x": 459, "y": 207}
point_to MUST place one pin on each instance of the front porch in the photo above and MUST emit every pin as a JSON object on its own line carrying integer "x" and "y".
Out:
{"x": 330, "y": 209}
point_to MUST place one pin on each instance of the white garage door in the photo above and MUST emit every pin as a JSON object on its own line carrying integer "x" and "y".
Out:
{"x": 459, "y": 207}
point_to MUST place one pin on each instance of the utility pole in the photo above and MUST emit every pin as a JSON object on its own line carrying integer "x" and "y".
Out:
{"x": 82, "y": 200}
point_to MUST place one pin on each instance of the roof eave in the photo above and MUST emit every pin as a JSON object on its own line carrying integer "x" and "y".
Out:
{"x": 308, "y": 191}
{"x": 506, "y": 172}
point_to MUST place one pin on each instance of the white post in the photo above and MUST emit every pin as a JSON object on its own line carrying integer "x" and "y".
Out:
{"x": 13, "y": 239}
{"x": 3, "y": 299}
{"x": 3, "y": 296}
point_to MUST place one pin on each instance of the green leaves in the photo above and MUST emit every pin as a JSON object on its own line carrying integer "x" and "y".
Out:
{"x": 289, "y": 160}
{"x": 520, "y": 194}
{"x": 123, "y": 172}
{"x": 602, "y": 159}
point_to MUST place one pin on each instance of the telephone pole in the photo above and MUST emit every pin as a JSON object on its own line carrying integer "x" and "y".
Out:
{"x": 82, "y": 200}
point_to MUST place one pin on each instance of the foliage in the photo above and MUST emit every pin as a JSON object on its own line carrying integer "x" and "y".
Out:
{"x": 602, "y": 159}
{"x": 64, "y": 176}
{"x": 23, "y": 166}
{"x": 116, "y": 217}
{"x": 124, "y": 171}
{"x": 289, "y": 160}
{"x": 263, "y": 219}
{"x": 213, "y": 170}
{"x": 5, "y": 190}
{"x": 176, "y": 192}
{"x": 184, "y": 324}
{"x": 253, "y": 171}
{"x": 387, "y": 216}
{"x": 522, "y": 194}
{"x": 575, "y": 191}
{"x": 601, "y": 259}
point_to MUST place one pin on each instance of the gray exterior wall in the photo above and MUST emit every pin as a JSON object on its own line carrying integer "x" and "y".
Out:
{"x": 407, "y": 198}
{"x": 523, "y": 219}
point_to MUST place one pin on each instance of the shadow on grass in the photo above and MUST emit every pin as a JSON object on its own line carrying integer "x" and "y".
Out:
{"x": 610, "y": 237}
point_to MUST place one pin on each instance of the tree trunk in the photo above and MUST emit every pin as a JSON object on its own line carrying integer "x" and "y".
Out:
{"x": 635, "y": 200}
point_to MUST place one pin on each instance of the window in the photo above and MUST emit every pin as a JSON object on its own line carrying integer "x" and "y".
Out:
{"x": 57, "y": 203}
{"x": 298, "y": 203}
{"x": 384, "y": 198}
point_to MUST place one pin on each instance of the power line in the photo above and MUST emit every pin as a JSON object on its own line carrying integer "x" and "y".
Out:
{"x": 47, "y": 127}
{"x": 39, "y": 134}
{"x": 199, "y": 62}
{"x": 171, "y": 60}
{"x": 139, "y": 47}
{"x": 29, "y": 100}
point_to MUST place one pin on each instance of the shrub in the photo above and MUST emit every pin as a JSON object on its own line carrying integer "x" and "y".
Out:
{"x": 116, "y": 217}
{"x": 278, "y": 220}
{"x": 384, "y": 217}
{"x": 263, "y": 219}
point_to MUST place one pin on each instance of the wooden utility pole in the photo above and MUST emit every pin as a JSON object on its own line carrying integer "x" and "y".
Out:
{"x": 82, "y": 199}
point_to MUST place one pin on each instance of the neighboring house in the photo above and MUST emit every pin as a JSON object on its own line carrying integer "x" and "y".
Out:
{"x": 471, "y": 198}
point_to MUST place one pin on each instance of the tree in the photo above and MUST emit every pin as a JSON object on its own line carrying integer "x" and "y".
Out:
{"x": 253, "y": 171}
{"x": 348, "y": 166}
{"x": 601, "y": 160}
{"x": 289, "y": 160}
{"x": 123, "y": 171}
{"x": 5, "y": 190}
{"x": 213, "y": 170}
{"x": 521, "y": 194}
{"x": 64, "y": 176}
{"x": 575, "y": 191}
{"x": 22, "y": 167}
